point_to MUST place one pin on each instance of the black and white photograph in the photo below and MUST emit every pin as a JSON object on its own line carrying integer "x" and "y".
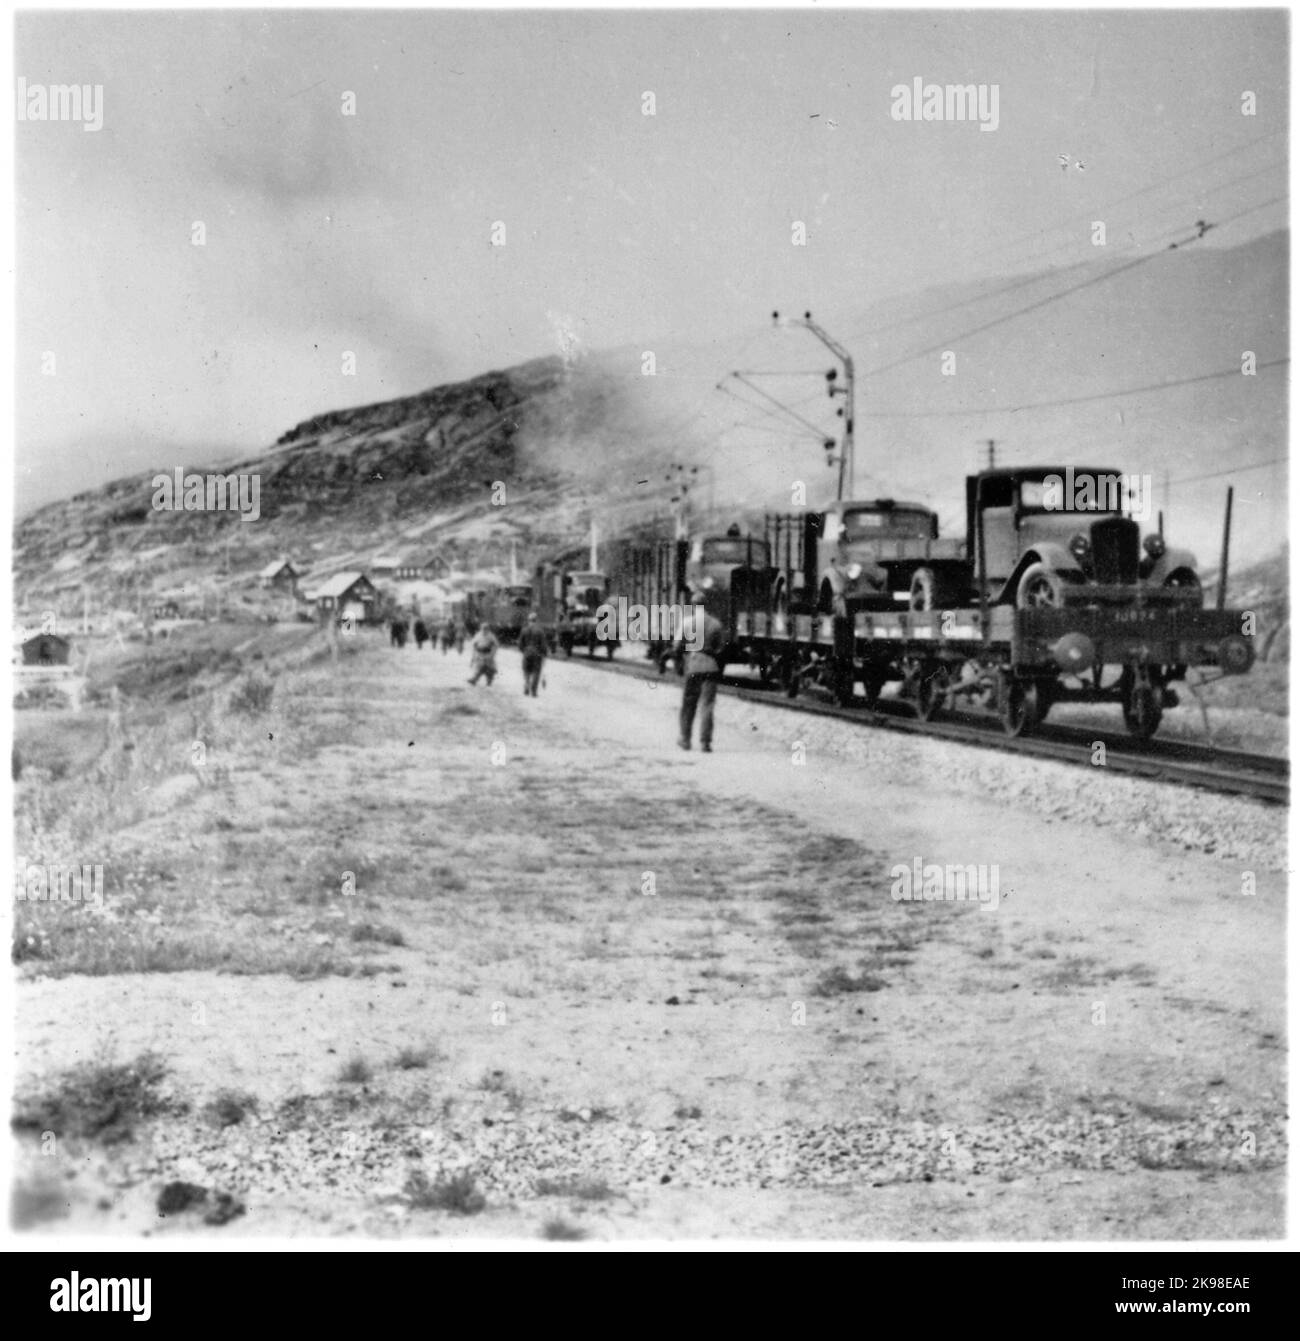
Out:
{"x": 649, "y": 629}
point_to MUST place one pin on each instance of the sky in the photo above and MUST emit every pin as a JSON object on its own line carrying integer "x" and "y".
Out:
{"x": 326, "y": 234}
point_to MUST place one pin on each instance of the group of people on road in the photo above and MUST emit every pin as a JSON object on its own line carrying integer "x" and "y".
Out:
{"x": 533, "y": 644}
{"x": 450, "y": 633}
{"x": 702, "y": 671}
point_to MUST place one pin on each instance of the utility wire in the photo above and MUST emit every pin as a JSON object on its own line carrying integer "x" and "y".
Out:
{"x": 1010, "y": 287}
{"x": 1069, "y": 400}
{"x": 1235, "y": 470}
{"x": 1041, "y": 258}
{"x": 1133, "y": 195}
{"x": 1065, "y": 293}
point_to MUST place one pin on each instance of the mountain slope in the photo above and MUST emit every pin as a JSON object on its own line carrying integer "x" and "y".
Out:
{"x": 573, "y": 439}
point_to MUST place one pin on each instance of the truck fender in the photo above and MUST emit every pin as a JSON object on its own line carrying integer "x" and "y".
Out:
{"x": 1056, "y": 557}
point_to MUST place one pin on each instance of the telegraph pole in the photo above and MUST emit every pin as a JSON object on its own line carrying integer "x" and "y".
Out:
{"x": 846, "y": 410}
{"x": 991, "y": 444}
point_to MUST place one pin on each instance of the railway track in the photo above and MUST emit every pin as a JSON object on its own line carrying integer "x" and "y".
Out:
{"x": 1181, "y": 763}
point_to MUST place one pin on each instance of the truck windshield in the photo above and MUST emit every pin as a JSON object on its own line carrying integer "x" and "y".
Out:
{"x": 1091, "y": 493}
{"x": 735, "y": 552}
{"x": 872, "y": 525}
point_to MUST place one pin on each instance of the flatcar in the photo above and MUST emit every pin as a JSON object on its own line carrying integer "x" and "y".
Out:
{"x": 1040, "y": 604}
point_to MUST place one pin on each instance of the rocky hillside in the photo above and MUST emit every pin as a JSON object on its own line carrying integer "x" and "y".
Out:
{"x": 581, "y": 437}
{"x": 409, "y": 477}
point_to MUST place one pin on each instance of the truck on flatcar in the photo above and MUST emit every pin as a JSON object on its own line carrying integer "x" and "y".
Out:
{"x": 507, "y": 610}
{"x": 1032, "y": 532}
{"x": 567, "y": 601}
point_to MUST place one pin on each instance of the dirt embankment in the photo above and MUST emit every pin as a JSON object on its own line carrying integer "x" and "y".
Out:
{"x": 422, "y": 959}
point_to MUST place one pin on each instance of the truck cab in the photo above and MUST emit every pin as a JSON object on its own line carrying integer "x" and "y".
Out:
{"x": 713, "y": 561}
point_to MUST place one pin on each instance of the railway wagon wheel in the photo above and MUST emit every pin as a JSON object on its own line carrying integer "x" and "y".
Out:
{"x": 787, "y": 675}
{"x": 931, "y": 691}
{"x": 842, "y": 683}
{"x": 1018, "y": 706}
{"x": 1143, "y": 711}
{"x": 1045, "y": 694}
{"x": 873, "y": 681}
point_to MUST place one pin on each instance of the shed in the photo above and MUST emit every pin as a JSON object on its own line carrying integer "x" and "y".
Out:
{"x": 46, "y": 649}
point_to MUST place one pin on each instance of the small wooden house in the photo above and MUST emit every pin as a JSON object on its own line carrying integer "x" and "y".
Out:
{"x": 348, "y": 595}
{"x": 280, "y": 575}
{"x": 422, "y": 568}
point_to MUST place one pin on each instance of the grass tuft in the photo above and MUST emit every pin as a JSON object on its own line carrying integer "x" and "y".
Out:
{"x": 356, "y": 1071}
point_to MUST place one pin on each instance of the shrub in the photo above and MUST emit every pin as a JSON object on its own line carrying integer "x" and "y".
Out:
{"x": 96, "y": 1100}
{"x": 229, "y": 1108}
{"x": 380, "y": 935}
{"x": 458, "y": 1194}
{"x": 416, "y": 1059}
{"x": 838, "y": 980}
{"x": 253, "y": 696}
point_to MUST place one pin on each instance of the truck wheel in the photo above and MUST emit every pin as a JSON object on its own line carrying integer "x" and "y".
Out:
{"x": 924, "y": 590}
{"x": 1040, "y": 586}
{"x": 1183, "y": 579}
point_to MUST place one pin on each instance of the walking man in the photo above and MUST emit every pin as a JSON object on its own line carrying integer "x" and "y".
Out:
{"x": 532, "y": 643}
{"x": 484, "y": 659}
{"x": 704, "y": 661}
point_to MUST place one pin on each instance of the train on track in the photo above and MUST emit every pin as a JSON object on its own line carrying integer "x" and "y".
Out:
{"x": 1052, "y": 596}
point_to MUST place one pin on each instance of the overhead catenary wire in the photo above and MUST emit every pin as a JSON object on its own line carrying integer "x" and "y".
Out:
{"x": 1202, "y": 229}
{"x": 1057, "y": 271}
{"x": 1233, "y": 152}
{"x": 1232, "y": 470}
{"x": 771, "y": 414}
{"x": 1114, "y": 394}
{"x": 780, "y": 406}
